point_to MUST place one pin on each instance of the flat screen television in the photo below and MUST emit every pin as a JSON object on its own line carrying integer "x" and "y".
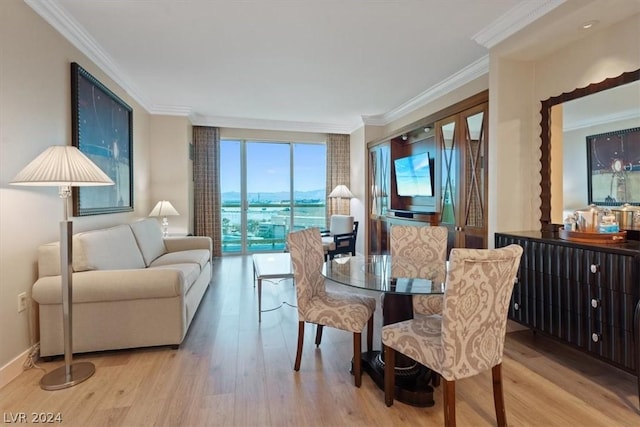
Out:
{"x": 413, "y": 175}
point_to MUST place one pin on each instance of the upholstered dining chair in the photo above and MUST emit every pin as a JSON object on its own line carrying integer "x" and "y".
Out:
{"x": 426, "y": 247}
{"x": 316, "y": 304}
{"x": 468, "y": 337}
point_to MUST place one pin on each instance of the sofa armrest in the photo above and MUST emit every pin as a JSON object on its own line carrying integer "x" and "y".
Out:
{"x": 176, "y": 244}
{"x": 112, "y": 285}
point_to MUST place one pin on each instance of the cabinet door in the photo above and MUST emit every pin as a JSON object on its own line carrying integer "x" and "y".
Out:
{"x": 473, "y": 221}
{"x": 379, "y": 163}
{"x": 449, "y": 148}
{"x": 462, "y": 143}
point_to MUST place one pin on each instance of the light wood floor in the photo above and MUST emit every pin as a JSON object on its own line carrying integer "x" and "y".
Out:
{"x": 232, "y": 371}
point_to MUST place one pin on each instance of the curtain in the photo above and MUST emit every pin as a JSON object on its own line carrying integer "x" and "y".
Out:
{"x": 338, "y": 170}
{"x": 206, "y": 186}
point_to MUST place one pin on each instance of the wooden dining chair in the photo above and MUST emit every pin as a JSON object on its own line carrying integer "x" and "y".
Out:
{"x": 426, "y": 248}
{"x": 341, "y": 236}
{"x": 316, "y": 304}
{"x": 468, "y": 337}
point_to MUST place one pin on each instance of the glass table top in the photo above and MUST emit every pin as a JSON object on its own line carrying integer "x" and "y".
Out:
{"x": 386, "y": 274}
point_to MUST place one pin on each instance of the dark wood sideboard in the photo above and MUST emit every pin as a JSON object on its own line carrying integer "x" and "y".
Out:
{"x": 586, "y": 295}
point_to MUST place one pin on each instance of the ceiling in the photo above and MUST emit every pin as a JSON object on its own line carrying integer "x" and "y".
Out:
{"x": 313, "y": 65}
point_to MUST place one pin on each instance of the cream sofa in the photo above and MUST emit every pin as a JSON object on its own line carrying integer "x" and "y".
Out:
{"x": 131, "y": 288}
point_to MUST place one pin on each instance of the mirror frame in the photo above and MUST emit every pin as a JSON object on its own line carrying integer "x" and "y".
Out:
{"x": 545, "y": 135}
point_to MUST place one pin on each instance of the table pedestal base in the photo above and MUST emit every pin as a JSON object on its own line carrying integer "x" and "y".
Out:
{"x": 411, "y": 384}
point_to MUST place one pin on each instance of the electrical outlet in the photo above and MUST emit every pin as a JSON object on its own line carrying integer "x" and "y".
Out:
{"x": 22, "y": 302}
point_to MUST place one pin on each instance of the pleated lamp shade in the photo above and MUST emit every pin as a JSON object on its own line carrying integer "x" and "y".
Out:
{"x": 62, "y": 165}
{"x": 163, "y": 208}
{"x": 341, "y": 192}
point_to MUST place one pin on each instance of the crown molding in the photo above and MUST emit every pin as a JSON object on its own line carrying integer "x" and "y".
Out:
{"x": 460, "y": 78}
{"x": 601, "y": 120}
{"x": 276, "y": 125}
{"x": 170, "y": 110}
{"x": 513, "y": 21}
{"x": 56, "y": 16}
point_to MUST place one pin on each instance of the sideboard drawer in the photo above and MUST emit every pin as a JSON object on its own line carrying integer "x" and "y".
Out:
{"x": 612, "y": 308}
{"x": 613, "y": 344}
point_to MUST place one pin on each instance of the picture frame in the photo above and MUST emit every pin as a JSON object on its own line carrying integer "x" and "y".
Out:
{"x": 613, "y": 167}
{"x": 102, "y": 129}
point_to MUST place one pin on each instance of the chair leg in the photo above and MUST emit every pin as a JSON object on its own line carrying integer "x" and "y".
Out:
{"x": 435, "y": 379}
{"x": 370, "y": 334}
{"x": 318, "y": 335}
{"x": 357, "y": 358}
{"x": 296, "y": 367}
{"x": 498, "y": 395}
{"x": 389, "y": 374}
{"x": 449, "y": 403}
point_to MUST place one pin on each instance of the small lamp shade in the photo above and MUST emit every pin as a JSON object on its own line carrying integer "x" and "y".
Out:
{"x": 164, "y": 208}
{"x": 341, "y": 192}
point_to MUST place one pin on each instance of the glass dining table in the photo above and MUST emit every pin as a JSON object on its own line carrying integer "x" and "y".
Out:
{"x": 397, "y": 280}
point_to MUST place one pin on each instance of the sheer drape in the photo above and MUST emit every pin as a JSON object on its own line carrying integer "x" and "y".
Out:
{"x": 338, "y": 164}
{"x": 206, "y": 186}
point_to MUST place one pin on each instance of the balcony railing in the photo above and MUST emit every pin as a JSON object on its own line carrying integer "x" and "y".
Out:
{"x": 268, "y": 224}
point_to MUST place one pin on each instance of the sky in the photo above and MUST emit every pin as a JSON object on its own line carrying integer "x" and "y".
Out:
{"x": 268, "y": 166}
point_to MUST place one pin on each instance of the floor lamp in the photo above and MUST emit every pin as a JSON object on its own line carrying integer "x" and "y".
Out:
{"x": 64, "y": 167}
{"x": 341, "y": 192}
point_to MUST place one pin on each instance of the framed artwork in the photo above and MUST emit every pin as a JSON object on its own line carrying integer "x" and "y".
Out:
{"x": 613, "y": 167}
{"x": 102, "y": 129}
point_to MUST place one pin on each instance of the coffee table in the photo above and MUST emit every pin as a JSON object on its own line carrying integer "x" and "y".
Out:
{"x": 269, "y": 267}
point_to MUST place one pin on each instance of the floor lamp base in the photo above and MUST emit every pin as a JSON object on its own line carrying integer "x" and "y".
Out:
{"x": 58, "y": 379}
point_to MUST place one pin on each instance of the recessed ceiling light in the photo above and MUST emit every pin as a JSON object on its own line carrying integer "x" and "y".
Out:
{"x": 589, "y": 24}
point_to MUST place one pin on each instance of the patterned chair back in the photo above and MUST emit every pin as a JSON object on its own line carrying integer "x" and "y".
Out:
{"x": 424, "y": 246}
{"x": 474, "y": 317}
{"x": 307, "y": 257}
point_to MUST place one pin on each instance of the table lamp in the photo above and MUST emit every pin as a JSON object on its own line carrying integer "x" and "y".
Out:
{"x": 65, "y": 167}
{"x": 164, "y": 208}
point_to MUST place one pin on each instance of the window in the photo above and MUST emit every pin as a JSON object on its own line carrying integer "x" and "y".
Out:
{"x": 269, "y": 189}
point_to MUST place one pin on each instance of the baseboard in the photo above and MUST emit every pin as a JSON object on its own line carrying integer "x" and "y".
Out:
{"x": 14, "y": 368}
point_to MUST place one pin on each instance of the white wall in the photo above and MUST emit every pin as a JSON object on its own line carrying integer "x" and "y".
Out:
{"x": 35, "y": 112}
{"x": 357, "y": 178}
{"x": 513, "y": 164}
{"x": 171, "y": 177}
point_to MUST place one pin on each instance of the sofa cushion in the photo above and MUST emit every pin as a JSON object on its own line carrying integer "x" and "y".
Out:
{"x": 49, "y": 259}
{"x": 189, "y": 273}
{"x": 195, "y": 256}
{"x": 148, "y": 234}
{"x": 106, "y": 249}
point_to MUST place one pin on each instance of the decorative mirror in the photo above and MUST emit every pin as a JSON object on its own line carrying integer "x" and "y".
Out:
{"x": 552, "y": 108}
